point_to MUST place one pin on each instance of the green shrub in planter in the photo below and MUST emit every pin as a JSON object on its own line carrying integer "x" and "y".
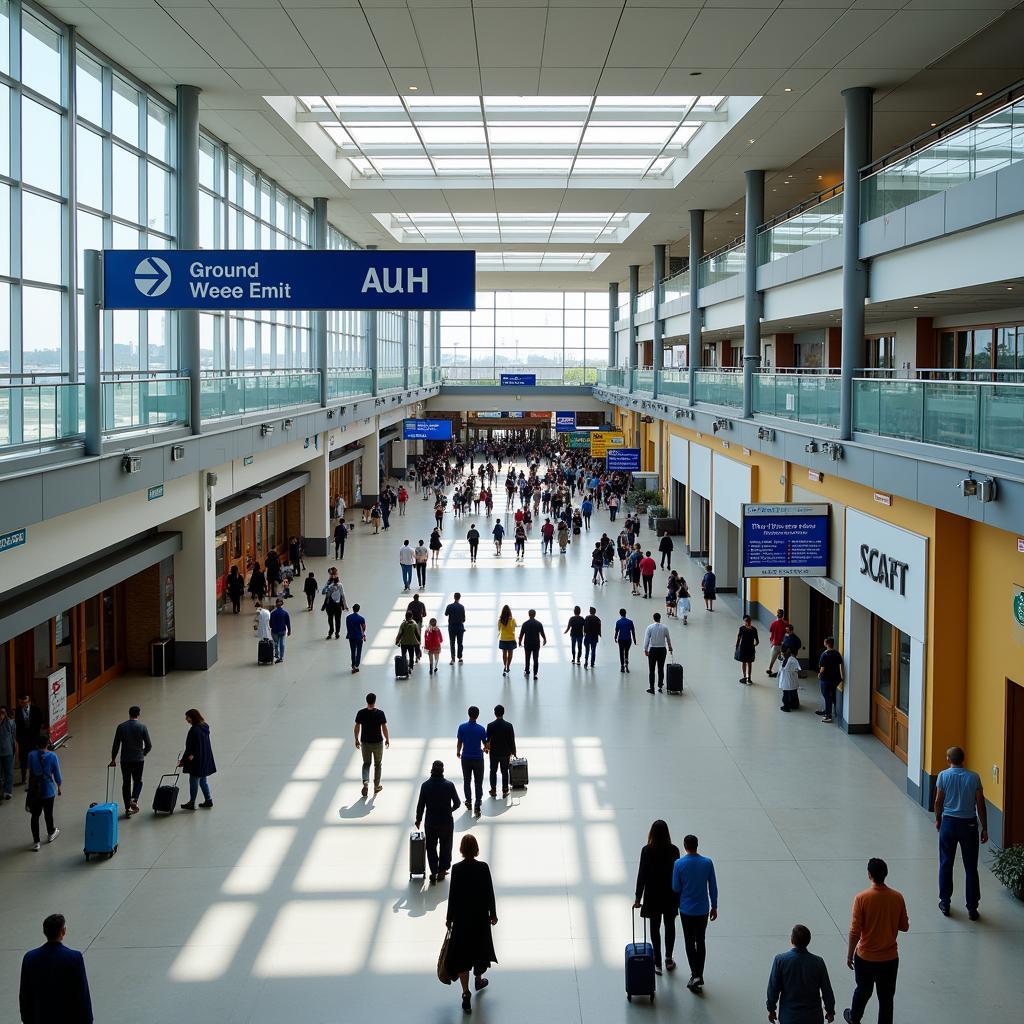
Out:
{"x": 658, "y": 511}
{"x": 1008, "y": 867}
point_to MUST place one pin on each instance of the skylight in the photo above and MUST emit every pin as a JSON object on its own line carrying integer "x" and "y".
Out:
{"x": 539, "y": 261}
{"x": 510, "y": 227}
{"x": 512, "y": 141}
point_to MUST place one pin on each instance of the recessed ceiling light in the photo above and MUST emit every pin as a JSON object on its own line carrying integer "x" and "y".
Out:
{"x": 935, "y": 124}
{"x": 414, "y": 88}
{"x": 751, "y": 141}
{"x": 787, "y": 88}
{"x": 1009, "y": 287}
{"x": 979, "y": 94}
{"x": 917, "y": 307}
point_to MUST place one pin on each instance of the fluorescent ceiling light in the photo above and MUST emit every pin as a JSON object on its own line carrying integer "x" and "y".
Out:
{"x": 537, "y": 262}
{"x": 510, "y": 227}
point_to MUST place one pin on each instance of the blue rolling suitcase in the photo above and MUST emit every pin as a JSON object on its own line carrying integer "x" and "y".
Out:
{"x": 101, "y": 824}
{"x": 639, "y": 966}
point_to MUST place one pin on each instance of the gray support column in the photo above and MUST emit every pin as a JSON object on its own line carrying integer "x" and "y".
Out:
{"x": 857, "y": 110}
{"x": 371, "y": 348}
{"x": 370, "y": 468}
{"x": 93, "y": 288}
{"x": 403, "y": 336}
{"x": 187, "y": 178}
{"x": 320, "y": 315}
{"x": 435, "y": 330}
{"x": 613, "y": 313}
{"x": 753, "y": 218}
{"x": 634, "y": 288}
{"x": 658, "y": 348}
{"x": 696, "y": 320}
{"x": 419, "y": 344}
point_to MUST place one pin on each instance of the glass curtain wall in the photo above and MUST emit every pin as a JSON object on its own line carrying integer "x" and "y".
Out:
{"x": 557, "y": 335}
{"x": 346, "y": 328}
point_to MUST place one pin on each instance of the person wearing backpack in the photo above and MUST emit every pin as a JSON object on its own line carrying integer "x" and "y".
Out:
{"x": 44, "y": 786}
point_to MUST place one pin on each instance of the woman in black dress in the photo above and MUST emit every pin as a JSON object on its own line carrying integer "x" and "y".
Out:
{"x": 235, "y": 588}
{"x": 257, "y": 583}
{"x": 654, "y": 896}
{"x": 746, "y": 640}
{"x": 471, "y": 914}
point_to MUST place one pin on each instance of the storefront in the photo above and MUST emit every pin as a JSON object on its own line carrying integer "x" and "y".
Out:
{"x": 885, "y": 619}
{"x": 699, "y": 531}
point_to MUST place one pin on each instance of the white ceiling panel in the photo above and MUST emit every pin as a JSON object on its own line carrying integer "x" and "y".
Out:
{"x": 572, "y": 41}
{"x": 396, "y": 37}
{"x": 358, "y": 81}
{"x": 510, "y": 81}
{"x": 912, "y": 39}
{"x": 337, "y": 38}
{"x": 216, "y": 36}
{"x": 679, "y": 82}
{"x": 257, "y": 80}
{"x": 446, "y": 37}
{"x": 852, "y": 29}
{"x": 227, "y": 4}
{"x": 510, "y": 37}
{"x": 155, "y": 33}
{"x": 717, "y": 38}
{"x": 639, "y": 81}
{"x": 649, "y": 36}
{"x": 209, "y": 79}
{"x": 568, "y": 81}
{"x": 271, "y": 36}
{"x": 785, "y": 38}
{"x": 455, "y": 81}
{"x": 303, "y": 81}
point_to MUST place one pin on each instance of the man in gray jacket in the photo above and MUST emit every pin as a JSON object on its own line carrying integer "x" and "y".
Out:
{"x": 132, "y": 739}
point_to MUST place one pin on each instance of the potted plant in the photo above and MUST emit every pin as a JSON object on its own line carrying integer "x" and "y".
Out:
{"x": 1008, "y": 867}
{"x": 642, "y": 500}
{"x": 658, "y": 520}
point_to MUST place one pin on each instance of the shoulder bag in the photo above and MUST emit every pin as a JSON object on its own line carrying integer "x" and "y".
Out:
{"x": 442, "y": 959}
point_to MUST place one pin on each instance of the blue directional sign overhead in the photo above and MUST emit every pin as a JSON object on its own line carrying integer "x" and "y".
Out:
{"x": 565, "y": 422}
{"x": 622, "y": 460}
{"x": 518, "y": 380}
{"x": 786, "y": 539}
{"x": 301, "y": 279}
{"x": 427, "y": 430}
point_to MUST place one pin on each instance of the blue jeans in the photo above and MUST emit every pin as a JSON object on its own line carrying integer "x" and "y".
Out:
{"x": 7, "y": 772}
{"x": 590, "y": 649}
{"x": 278, "y": 639}
{"x": 576, "y": 646}
{"x": 962, "y": 832}
{"x": 195, "y": 783}
{"x": 356, "y": 648}
{"x": 473, "y": 779}
{"x": 406, "y": 576}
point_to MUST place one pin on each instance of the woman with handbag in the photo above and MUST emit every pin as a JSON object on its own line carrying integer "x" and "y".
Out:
{"x": 44, "y": 784}
{"x": 471, "y": 915}
{"x": 746, "y": 642}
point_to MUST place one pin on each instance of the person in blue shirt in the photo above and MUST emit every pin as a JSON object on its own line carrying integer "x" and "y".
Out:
{"x": 44, "y": 788}
{"x": 586, "y": 510}
{"x": 280, "y": 626}
{"x": 693, "y": 877}
{"x": 959, "y": 809}
{"x": 355, "y": 633}
{"x": 625, "y": 637}
{"x": 470, "y": 749}
{"x": 54, "y": 986}
{"x": 799, "y": 984}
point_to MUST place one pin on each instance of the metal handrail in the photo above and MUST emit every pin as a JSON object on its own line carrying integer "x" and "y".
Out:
{"x": 43, "y": 384}
{"x": 38, "y": 373}
{"x": 818, "y": 371}
{"x": 809, "y": 203}
{"x": 251, "y": 371}
{"x": 913, "y": 373}
{"x": 735, "y": 243}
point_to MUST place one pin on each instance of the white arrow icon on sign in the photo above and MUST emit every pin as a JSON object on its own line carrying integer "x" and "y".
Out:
{"x": 153, "y": 276}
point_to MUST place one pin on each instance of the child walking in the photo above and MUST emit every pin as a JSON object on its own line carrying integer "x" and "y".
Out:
{"x": 432, "y": 641}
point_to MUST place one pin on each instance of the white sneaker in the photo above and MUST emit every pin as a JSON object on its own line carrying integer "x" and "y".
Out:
{"x": 53, "y": 835}
{"x": 35, "y": 847}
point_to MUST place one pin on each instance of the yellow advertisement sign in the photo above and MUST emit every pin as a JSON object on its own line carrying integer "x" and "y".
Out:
{"x": 602, "y": 440}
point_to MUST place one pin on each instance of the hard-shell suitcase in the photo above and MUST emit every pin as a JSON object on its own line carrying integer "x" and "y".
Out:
{"x": 101, "y": 824}
{"x": 265, "y": 653}
{"x": 518, "y": 773}
{"x": 165, "y": 799}
{"x": 639, "y": 966}
{"x": 417, "y": 854}
{"x": 674, "y": 677}
{"x": 401, "y": 666}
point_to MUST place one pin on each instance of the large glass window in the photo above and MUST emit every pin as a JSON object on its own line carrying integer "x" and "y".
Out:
{"x": 557, "y": 335}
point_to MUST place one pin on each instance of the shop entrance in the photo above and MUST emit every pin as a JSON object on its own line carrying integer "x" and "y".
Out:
{"x": 890, "y": 686}
{"x": 677, "y": 506}
{"x": 813, "y": 616}
{"x": 699, "y": 533}
{"x": 1013, "y": 811}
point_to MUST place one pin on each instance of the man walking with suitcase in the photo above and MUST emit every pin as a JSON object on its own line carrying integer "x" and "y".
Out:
{"x": 693, "y": 877}
{"x": 501, "y": 747}
{"x": 469, "y": 747}
{"x": 371, "y": 734}
{"x": 131, "y": 738}
{"x": 439, "y": 799}
{"x": 657, "y": 647}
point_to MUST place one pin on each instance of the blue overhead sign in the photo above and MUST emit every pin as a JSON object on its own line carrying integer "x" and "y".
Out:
{"x": 564, "y": 422}
{"x": 622, "y": 460}
{"x": 518, "y": 380}
{"x": 427, "y": 430}
{"x": 785, "y": 540}
{"x": 278, "y": 279}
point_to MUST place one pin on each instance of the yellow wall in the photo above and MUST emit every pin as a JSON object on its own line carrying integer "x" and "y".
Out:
{"x": 972, "y": 644}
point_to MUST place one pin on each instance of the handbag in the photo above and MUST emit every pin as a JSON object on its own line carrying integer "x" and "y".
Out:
{"x": 442, "y": 958}
{"x": 736, "y": 656}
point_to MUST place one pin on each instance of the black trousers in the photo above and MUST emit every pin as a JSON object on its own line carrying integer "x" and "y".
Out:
{"x": 694, "y": 928}
{"x": 339, "y": 550}
{"x": 473, "y": 779}
{"x": 439, "y": 847}
{"x": 534, "y": 653}
{"x": 473, "y": 545}
{"x": 131, "y": 781}
{"x": 498, "y": 762}
{"x": 666, "y": 559}
{"x": 45, "y": 808}
{"x": 333, "y": 617}
{"x": 656, "y": 663}
{"x": 648, "y": 582}
{"x": 455, "y": 635}
{"x": 655, "y": 923}
{"x": 878, "y": 976}
{"x": 236, "y": 603}
{"x": 624, "y": 654}
{"x": 421, "y": 574}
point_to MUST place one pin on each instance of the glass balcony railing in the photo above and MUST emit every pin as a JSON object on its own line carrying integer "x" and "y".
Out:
{"x": 237, "y": 394}
{"x": 546, "y": 376}
{"x": 676, "y": 287}
{"x": 719, "y": 387}
{"x": 981, "y": 416}
{"x": 805, "y": 397}
{"x": 645, "y": 300}
{"x": 674, "y": 384}
{"x": 623, "y": 308}
{"x": 804, "y": 228}
{"x": 345, "y": 381}
{"x": 989, "y": 143}
{"x": 720, "y": 266}
{"x": 612, "y": 376}
{"x": 134, "y": 403}
{"x": 34, "y": 415}
{"x": 431, "y": 374}
{"x": 642, "y": 380}
{"x": 389, "y": 379}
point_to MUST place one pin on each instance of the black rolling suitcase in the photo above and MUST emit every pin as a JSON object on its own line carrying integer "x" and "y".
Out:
{"x": 639, "y": 966}
{"x": 417, "y": 854}
{"x": 165, "y": 799}
{"x": 674, "y": 677}
{"x": 518, "y": 773}
{"x": 265, "y": 653}
{"x": 401, "y": 666}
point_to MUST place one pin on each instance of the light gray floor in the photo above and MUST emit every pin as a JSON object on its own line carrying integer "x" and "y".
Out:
{"x": 290, "y": 901}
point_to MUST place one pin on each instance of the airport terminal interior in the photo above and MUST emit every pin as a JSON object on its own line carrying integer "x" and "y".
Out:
{"x": 286, "y": 285}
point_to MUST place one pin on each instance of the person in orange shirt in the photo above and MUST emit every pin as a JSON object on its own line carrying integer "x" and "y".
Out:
{"x": 879, "y": 915}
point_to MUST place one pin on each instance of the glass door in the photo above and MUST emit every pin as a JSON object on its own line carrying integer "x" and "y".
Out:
{"x": 890, "y": 686}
